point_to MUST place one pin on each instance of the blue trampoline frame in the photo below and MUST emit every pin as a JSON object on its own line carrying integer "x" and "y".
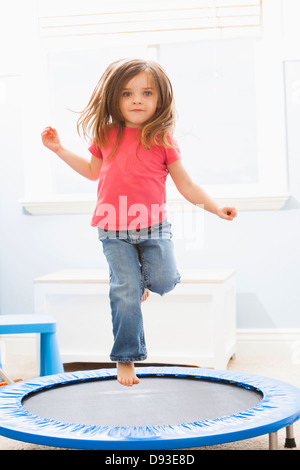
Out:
{"x": 279, "y": 408}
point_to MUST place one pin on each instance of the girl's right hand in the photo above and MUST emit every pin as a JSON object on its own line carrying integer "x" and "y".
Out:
{"x": 50, "y": 139}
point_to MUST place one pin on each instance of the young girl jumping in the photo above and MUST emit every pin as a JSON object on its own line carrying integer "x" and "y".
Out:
{"x": 130, "y": 121}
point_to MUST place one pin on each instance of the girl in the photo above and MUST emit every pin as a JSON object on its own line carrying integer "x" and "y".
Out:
{"x": 130, "y": 120}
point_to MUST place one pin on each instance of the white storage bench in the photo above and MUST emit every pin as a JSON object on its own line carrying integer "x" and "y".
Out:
{"x": 195, "y": 324}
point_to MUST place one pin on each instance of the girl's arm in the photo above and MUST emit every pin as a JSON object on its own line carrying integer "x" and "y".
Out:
{"x": 89, "y": 169}
{"x": 194, "y": 194}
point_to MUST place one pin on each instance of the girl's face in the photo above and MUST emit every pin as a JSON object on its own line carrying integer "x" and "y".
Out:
{"x": 138, "y": 100}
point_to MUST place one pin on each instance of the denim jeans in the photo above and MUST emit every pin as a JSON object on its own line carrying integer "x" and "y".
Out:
{"x": 137, "y": 260}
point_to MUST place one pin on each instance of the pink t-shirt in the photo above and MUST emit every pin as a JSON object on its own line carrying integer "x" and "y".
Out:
{"x": 131, "y": 191}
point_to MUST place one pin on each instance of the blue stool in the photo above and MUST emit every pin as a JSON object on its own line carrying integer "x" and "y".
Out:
{"x": 50, "y": 361}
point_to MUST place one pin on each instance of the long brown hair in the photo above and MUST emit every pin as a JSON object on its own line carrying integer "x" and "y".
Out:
{"x": 103, "y": 111}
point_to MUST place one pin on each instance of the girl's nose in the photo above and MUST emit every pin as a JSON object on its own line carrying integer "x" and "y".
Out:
{"x": 137, "y": 99}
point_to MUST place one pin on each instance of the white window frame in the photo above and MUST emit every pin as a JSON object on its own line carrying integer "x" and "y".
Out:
{"x": 270, "y": 193}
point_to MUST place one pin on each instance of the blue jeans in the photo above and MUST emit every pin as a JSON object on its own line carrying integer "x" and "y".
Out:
{"x": 137, "y": 260}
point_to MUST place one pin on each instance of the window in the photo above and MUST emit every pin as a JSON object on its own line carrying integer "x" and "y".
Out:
{"x": 214, "y": 86}
{"x": 231, "y": 133}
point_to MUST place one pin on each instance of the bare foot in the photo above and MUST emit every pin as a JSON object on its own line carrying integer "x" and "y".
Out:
{"x": 126, "y": 374}
{"x": 145, "y": 295}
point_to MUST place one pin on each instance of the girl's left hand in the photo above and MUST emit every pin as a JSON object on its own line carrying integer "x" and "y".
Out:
{"x": 228, "y": 213}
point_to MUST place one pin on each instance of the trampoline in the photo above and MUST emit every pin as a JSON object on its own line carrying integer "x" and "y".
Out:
{"x": 171, "y": 408}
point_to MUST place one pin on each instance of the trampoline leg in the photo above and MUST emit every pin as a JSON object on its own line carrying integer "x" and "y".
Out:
{"x": 290, "y": 438}
{"x": 273, "y": 441}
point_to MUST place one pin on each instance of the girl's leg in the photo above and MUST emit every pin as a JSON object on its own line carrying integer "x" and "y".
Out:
{"x": 158, "y": 262}
{"x": 126, "y": 290}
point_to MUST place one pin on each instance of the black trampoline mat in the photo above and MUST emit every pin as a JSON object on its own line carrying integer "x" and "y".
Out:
{"x": 154, "y": 401}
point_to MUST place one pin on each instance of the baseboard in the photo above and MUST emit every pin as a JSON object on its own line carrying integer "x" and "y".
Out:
{"x": 274, "y": 342}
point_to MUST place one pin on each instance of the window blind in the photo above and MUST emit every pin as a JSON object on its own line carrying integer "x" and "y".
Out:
{"x": 221, "y": 17}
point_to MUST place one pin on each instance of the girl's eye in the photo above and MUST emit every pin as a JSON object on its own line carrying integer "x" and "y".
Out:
{"x": 126, "y": 93}
{"x": 147, "y": 93}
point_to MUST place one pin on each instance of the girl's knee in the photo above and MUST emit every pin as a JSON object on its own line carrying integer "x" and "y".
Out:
{"x": 164, "y": 283}
{"x": 126, "y": 290}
